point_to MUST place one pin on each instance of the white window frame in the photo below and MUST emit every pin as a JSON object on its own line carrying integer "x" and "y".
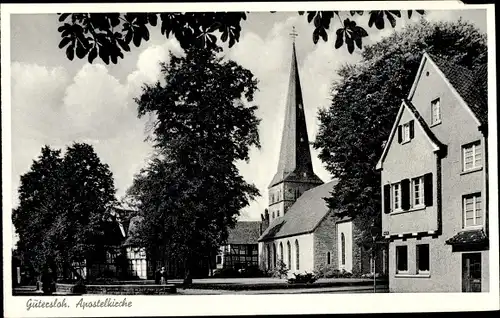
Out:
{"x": 394, "y": 196}
{"x": 417, "y": 261}
{"x": 398, "y": 271}
{"x": 475, "y": 224}
{"x": 473, "y": 146}
{"x": 406, "y": 133}
{"x": 420, "y": 182}
{"x": 436, "y": 110}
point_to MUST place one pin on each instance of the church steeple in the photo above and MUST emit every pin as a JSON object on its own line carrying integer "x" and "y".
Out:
{"x": 295, "y": 162}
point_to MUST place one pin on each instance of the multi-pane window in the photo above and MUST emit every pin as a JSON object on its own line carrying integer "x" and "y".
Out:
{"x": 423, "y": 262}
{"x": 396, "y": 196}
{"x": 436, "y": 111}
{"x": 417, "y": 191}
{"x": 472, "y": 156}
{"x": 472, "y": 211}
{"x": 406, "y": 132}
{"x": 402, "y": 258}
{"x": 289, "y": 248}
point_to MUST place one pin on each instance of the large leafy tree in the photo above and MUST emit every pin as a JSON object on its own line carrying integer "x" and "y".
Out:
{"x": 107, "y": 35}
{"x": 365, "y": 101}
{"x": 64, "y": 207}
{"x": 192, "y": 191}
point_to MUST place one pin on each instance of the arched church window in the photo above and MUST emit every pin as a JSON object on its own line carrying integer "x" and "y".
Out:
{"x": 342, "y": 242}
{"x": 268, "y": 250}
{"x": 297, "y": 255}
{"x": 281, "y": 252}
{"x": 289, "y": 250}
{"x": 274, "y": 254}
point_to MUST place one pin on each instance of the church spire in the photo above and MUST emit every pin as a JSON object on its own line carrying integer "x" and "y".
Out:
{"x": 295, "y": 162}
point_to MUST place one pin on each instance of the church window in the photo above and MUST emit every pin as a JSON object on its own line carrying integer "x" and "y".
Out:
{"x": 273, "y": 215}
{"x": 289, "y": 248}
{"x": 268, "y": 250}
{"x": 274, "y": 255}
{"x": 297, "y": 255}
{"x": 342, "y": 242}
{"x": 328, "y": 259}
{"x": 281, "y": 252}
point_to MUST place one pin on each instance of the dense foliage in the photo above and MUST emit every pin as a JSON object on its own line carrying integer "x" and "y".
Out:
{"x": 64, "y": 205}
{"x": 191, "y": 192}
{"x": 365, "y": 101}
{"x": 107, "y": 35}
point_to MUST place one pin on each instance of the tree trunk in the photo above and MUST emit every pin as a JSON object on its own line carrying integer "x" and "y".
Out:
{"x": 188, "y": 280}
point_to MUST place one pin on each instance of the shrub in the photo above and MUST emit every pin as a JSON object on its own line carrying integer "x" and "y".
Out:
{"x": 280, "y": 270}
{"x": 306, "y": 278}
{"x": 253, "y": 271}
{"x": 227, "y": 272}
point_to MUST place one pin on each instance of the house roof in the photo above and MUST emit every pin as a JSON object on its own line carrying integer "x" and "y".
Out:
{"x": 303, "y": 216}
{"x": 468, "y": 85}
{"x": 468, "y": 237}
{"x": 244, "y": 232}
{"x": 435, "y": 143}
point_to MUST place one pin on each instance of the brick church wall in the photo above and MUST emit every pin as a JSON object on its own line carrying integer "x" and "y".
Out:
{"x": 325, "y": 241}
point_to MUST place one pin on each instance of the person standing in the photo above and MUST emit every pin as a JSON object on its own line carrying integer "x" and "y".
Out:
{"x": 163, "y": 276}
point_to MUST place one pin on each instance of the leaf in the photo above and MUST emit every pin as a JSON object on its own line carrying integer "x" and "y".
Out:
{"x": 70, "y": 53}
{"x": 323, "y": 34}
{"x": 310, "y": 16}
{"x": 80, "y": 50}
{"x": 224, "y": 36}
{"x": 301, "y": 12}
{"x": 422, "y": 12}
{"x": 373, "y": 17}
{"x": 104, "y": 54}
{"x": 63, "y": 16}
{"x": 124, "y": 45}
{"x": 128, "y": 36}
{"x": 340, "y": 38}
{"x": 409, "y": 14}
{"x": 391, "y": 19}
{"x": 137, "y": 38}
{"x": 153, "y": 18}
{"x": 64, "y": 42}
{"x": 316, "y": 36}
{"x": 145, "y": 33}
{"x": 92, "y": 54}
{"x": 317, "y": 21}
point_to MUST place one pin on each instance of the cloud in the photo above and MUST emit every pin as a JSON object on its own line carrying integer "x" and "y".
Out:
{"x": 49, "y": 107}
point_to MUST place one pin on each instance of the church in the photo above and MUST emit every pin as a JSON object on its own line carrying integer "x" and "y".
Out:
{"x": 298, "y": 227}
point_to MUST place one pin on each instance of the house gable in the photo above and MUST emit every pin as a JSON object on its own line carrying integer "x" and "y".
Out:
{"x": 458, "y": 80}
{"x": 407, "y": 112}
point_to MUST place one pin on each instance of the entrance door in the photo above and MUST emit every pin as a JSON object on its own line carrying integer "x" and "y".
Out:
{"x": 471, "y": 272}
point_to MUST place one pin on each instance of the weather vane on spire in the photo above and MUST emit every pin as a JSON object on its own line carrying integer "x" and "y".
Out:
{"x": 293, "y": 34}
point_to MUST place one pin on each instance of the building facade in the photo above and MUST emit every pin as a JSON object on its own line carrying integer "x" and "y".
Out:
{"x": 241, "y": 250}
{"x": 435, "y": 183}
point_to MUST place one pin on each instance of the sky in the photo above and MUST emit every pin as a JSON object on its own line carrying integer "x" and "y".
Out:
{"x": 57, "y": 102}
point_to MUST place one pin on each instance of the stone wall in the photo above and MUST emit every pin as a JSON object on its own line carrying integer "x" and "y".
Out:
{"x": 324, "y": 242}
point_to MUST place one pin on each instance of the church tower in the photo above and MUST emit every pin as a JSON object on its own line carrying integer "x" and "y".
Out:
{"x": 295, "y": 172}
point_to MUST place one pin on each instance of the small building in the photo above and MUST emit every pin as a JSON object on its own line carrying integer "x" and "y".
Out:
{"x": 434, "y": 174}
{"x": 241, "y": 250}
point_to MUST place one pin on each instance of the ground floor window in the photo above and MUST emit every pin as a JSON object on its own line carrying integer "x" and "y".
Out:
{"x": 401, "y": 258}
{"x": 471, "y": 272}
{"x": 423, "y": 259}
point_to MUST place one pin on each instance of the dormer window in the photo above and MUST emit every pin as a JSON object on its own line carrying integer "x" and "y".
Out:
{"x": 435, "y": 111}
{"x": 406, "y": 132}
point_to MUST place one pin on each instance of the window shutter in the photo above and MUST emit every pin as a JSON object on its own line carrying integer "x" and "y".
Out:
{"x": 400, "y": 134}
{"x": 412, "y": 129}
{"x": 405, "y": 194}
{"x": 387, "y": 198}
{"x": 428, "y": 192}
